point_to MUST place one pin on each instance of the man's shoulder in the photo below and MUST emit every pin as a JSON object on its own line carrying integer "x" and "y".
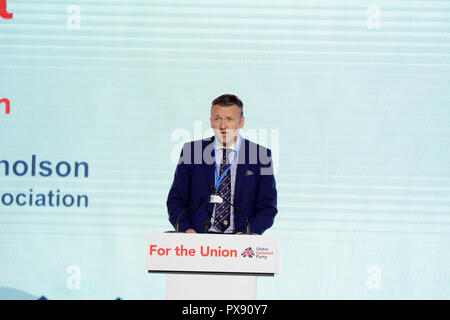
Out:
{"x": 256, "y": 149}
{"x": 255, "y": 155}
{"x": 204, "y": 141}
{"x": 256, "y": 145}
{"x": 198, "y": 152}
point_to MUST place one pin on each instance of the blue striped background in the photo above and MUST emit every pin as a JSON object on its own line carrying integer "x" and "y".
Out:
{"x": 358, "y": 118}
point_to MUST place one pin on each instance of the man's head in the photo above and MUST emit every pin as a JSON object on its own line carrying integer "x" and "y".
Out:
{"x": 227, "y": 117}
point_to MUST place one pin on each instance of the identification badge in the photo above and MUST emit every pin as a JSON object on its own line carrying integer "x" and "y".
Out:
{"x": 214, "y": 198}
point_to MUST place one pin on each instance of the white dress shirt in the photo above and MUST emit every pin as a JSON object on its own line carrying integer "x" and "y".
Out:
{"x": 219, "y": 156}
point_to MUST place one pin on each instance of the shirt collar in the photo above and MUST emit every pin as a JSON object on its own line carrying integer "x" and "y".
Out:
{"x": 233, "y": 147}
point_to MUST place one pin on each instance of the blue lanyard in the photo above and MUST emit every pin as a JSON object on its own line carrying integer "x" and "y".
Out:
{"x": 217, "y": 169}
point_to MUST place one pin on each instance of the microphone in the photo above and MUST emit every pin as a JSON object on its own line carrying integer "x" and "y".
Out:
{"x": 199, "y": 201}
{"x": 206, "y": 225}
{"x": 237, "y": 209}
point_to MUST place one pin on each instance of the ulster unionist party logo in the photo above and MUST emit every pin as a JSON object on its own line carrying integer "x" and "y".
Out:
{"x": 257, "y": 253}
{"x": 248, "y": 252}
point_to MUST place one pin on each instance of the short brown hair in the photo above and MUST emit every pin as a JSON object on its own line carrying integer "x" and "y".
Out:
{"x": 227, "y": 100}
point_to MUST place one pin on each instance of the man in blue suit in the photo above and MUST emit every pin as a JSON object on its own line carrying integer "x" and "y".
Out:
{"x": 221, "y": 180}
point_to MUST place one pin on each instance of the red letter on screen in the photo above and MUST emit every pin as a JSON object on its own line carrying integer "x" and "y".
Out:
{"x": 7, "y": 105}
{"x": 3, "y": 11}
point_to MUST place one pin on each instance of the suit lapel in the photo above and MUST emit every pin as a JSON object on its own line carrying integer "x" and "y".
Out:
{"x": 210, "y": 167}
{"x": 241, "y": 169}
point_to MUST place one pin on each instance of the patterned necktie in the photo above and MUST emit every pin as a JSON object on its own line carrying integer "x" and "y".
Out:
{"x": 222, "y": 220}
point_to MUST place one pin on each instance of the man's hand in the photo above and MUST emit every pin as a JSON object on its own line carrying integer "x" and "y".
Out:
{"x": 238, "y": 232}
{"x": 190, "y": 231}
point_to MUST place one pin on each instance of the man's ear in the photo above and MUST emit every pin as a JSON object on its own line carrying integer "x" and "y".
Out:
{"x": 242, "y": 122}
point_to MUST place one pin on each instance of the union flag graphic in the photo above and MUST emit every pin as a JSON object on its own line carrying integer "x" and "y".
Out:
{"x": 248, "y": 252}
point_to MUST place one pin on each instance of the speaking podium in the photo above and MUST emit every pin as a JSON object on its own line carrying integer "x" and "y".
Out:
{"x": 212, "y": 266}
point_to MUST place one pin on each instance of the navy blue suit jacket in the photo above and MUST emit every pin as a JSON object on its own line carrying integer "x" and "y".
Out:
{"x": 255, "y": 191}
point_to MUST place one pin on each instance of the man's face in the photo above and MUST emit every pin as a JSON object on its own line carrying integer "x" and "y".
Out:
{"x": 226, "y": 122}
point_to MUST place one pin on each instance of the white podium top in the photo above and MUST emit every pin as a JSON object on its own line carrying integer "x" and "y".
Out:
{"x": 212, "y": 254}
